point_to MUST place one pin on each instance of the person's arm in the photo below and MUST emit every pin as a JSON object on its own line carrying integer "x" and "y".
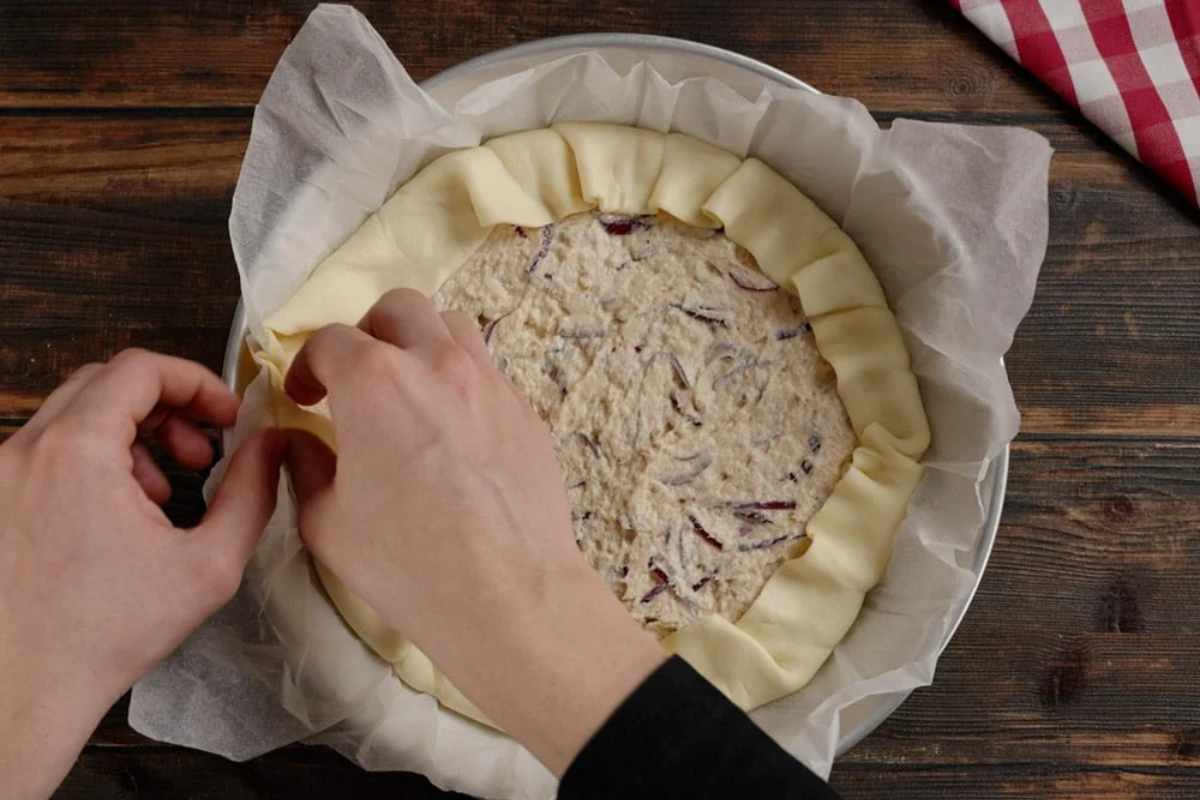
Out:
{"x": 445, "y": 510}
{"x": 677, "y": 736}
{"x": 96, "y": 585}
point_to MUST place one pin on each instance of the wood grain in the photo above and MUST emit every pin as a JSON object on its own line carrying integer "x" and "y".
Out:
{"x": 893, "y": 56}
{"x": 181, "y": 168}
{"x": 296, "y": 772}
{"x": 80, "y": 285}
{"x": 1074, "y": 675}
{"x": 125, "y": 775}
{"x": 1020, "y": 781}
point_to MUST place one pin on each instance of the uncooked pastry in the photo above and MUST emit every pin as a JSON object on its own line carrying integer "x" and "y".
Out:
{"x": 433, "y": 224}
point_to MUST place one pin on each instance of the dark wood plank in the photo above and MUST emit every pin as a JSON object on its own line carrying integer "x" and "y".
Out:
{"x": 1061, "y": 782}
{"x": 1074, "y": 674}
{"x": 180, "y": 168}
{"x": 184, "y": 167}
{"x": 124, "y": 775}
{"x": 80, "y": 285}
{"x": 1079, "y": 647}
{"x": 1108, "y": 346}
{"x": 892, "y": 56}
{"x": 296, "y": 772}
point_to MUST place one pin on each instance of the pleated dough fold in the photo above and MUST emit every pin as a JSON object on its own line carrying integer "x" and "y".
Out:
{"x": 768, "y": 216}
{"x": 618, "y": 165}
{"x": 839, "y": 281}
{"x": 811, "y": 601}
{"x": 543, "y": 165}
{"x": 874, "y": 378}
{"x": 418, "y": 238}
{"x": 433, "y": 224}
{"x": 691, "y": 171}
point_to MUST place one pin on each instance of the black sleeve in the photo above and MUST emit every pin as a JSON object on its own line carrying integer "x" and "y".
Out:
{"x": 678, "y": 736}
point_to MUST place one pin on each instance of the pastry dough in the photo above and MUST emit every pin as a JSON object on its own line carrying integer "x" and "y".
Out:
{"x": 436, "y": 221}
{"x": 691, "y": 171}
{"x": 875, "y": 381}
{"x": 840, "y": 281}
{"x": 542, "y": 163}
{"x": 618, "y": 165}
{"x": 765, "y": 214}
{"x": 425, "y": 231}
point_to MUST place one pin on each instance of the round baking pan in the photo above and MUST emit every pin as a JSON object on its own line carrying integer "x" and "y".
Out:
{"x": 676, "y": 59}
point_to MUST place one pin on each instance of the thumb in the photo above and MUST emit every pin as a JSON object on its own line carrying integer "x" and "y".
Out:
{"x": 312, "y": 466}
{"x": 244, "y": 501}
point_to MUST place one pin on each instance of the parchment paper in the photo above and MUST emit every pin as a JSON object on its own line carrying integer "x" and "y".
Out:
{"x": 952, "y": 218}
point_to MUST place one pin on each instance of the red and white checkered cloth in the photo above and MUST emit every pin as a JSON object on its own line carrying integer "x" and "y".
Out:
{"x": 1131, "y": 66}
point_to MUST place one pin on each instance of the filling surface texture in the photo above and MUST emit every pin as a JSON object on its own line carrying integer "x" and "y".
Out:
{"x": 696, "y": 423}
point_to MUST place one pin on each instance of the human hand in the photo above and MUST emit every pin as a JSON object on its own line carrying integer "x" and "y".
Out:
{"x": 96, "y": 584}
{"x": 445, "y": 510}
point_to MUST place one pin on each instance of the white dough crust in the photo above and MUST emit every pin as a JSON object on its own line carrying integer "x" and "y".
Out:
{"x": 875, "y": 381}
{"x": 543, "y": 165}
{"x": 437, "y": 222}
{"x": 425, "y": 231}
{"x": 768, "y": 216}
{"x": 691, "y": 171}
{"x": 618, "y": 165}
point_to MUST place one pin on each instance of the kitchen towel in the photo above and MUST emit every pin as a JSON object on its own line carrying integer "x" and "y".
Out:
{"x": 1131, "y": 66}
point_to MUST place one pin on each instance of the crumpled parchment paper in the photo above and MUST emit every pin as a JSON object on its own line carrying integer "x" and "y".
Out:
{"x": 953, "y": 219}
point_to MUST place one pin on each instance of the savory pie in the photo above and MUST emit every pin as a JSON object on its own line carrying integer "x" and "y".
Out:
{"x": 730, "y": 397}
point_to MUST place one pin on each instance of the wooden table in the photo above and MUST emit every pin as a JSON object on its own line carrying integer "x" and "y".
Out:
{"x": 1075, "y": 674}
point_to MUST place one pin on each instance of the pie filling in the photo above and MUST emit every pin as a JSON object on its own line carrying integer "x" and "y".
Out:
{"x": 697, "y": 425}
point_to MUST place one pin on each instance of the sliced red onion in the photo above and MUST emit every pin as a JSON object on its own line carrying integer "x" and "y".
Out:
{"x": 697, "y": 466}
{"x": 591, "y": 445}
{"x": 676, "y": 366}
{"x": 751, "y": 281}
{"x": 543, "y": 247}
{"x": 792, "y": 333}
{"x": 678, "y": 406}
{"x": 703, "y": 533}
{"x": 655, "y": 592}
{"x": 490, "y": 328}
{"x": 752, "y": 517}
{"x": 679, "y": 371}
{"x": 765, "y": 505}
{"x": 662, "y": 582}
{"x": 764, "y": 544}
{"x": 622, "y": 225}
{"x": 709, "y": 315}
